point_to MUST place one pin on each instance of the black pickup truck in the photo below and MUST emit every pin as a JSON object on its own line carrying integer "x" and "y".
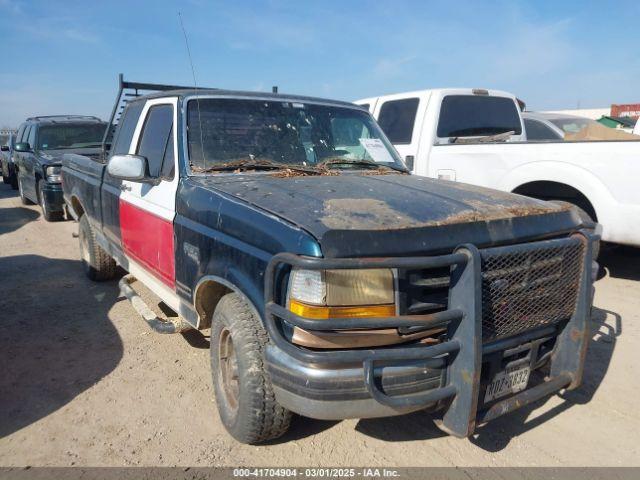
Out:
{"x": 40, "y": 143}
{"x": 335, "y": 284}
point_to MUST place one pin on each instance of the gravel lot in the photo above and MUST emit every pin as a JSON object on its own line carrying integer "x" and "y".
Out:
{"x": 85, "y": 382}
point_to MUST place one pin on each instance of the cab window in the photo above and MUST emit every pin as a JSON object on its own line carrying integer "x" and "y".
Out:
{"x": 155, "y": 143}
{"x": 397, "y": 118}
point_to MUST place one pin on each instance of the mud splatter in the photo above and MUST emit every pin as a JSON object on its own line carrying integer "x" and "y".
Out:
{"x": 363, "y": 214}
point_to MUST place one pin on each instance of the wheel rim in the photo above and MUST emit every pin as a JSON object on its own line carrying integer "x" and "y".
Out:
{"x": 228, "y": 365}
{"x": 84, "y": 248}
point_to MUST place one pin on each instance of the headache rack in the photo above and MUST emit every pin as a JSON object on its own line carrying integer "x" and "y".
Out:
{"x": 128, "y": 91}
{"x": 496, "y": 299}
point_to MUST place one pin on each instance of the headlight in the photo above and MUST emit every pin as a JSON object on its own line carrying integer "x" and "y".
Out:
{"x": 342, "y": 293}
{"x": 53, "y": 174}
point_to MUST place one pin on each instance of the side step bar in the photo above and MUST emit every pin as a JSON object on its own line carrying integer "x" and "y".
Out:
{"x": 156, "y": 323}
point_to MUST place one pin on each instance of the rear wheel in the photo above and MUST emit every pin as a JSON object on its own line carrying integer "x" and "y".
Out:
{"x": 48, "y": 215}
{"x": 244, "y": 394}
{"x": 97, "y": 263}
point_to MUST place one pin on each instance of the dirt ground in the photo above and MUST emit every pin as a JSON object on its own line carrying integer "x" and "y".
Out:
{"x": 83, "y": 381}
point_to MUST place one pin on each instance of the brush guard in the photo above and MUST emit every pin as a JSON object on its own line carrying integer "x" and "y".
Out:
{"x": 460, "y": 356}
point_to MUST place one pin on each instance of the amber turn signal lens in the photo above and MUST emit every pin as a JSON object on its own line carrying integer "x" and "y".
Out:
{"x": 361, "y": 311}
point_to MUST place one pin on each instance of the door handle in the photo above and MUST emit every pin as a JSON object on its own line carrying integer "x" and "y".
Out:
{"x": 447, "y": 174}
{"x": 125, "y": 188}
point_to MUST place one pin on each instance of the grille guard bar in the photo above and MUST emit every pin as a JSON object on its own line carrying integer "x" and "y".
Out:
{"x": 460, "y": 356}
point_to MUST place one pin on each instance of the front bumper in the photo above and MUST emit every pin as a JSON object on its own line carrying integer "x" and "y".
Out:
{"x": 53, "y": 196}
{"x": 449, "y": 376}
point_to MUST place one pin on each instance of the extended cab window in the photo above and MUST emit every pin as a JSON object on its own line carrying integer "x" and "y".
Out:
{"x": 156, "y": 138}
{"x": 397, "y": 118}
{"x": 126, "y": 128}
{"x": 538, "y": 131}
{"x": 477, "y": 116}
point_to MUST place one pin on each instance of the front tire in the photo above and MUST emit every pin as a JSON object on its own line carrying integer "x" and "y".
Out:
{"x": 97, "y": 263}
{"x": 244, "y": 394}
{"x": 48, "y": 215}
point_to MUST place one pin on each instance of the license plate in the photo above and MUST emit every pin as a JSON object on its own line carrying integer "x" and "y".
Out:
{"x": 511, "y": 380}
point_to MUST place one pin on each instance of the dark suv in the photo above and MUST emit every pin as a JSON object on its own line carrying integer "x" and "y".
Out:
{"x": 40, "y": 144}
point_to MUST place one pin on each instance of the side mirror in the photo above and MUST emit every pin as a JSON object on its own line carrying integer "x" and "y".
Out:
{"x": 4, "y": 148}
{"x": 22, "y": 147}
{"x": 128, "y": 167}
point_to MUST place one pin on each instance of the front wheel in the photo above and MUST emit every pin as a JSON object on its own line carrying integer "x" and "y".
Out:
{"x": 48, "y": 215}
{"x": 244, "y": 394}
{"x": 97, "y": 263}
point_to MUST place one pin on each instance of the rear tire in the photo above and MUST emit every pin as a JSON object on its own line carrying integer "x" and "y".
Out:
{"x": 48, "y": 215}
{"x": 97, "y": 263}
{"x": 243, "y": 390}
{"x": 13, "y": 180}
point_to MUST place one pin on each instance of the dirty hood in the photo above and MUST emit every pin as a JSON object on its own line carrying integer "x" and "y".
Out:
{"x": 360, "y": 215}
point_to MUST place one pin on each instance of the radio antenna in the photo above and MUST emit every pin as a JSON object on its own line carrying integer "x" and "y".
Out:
{"x": 195, "y": 87}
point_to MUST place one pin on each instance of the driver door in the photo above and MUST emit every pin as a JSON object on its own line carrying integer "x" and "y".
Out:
{"x": 147, "y": 210}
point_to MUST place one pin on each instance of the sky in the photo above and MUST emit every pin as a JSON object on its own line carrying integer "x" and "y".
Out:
{"x": 63, "y": 57}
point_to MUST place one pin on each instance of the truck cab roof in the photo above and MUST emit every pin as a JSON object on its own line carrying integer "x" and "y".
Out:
{"x": 280, "y": 97}
{"x": 440, "y": 92}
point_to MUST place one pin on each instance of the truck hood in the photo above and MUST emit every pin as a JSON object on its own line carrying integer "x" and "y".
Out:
{"x": 358, "y": 215}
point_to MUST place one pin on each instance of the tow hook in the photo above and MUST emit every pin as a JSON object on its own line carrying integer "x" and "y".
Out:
{"x": 157, "y": 324}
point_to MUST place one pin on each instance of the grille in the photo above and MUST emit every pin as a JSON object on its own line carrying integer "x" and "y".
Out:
{"x": 530, "y": 285}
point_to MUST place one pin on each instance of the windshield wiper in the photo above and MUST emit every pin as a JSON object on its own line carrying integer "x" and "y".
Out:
{"x": 253, "y": 165}
{"x": 362, "y": 163}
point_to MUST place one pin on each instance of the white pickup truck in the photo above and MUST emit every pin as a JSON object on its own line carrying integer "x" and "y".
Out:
{"x": 478, "y": 136}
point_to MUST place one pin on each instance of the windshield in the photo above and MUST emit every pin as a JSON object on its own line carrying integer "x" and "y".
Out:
{"x": 80, "y": 135}
{"x": 284, "y": 133}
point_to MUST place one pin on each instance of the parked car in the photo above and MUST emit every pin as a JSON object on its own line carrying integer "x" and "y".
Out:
{"x": 7, "y": 166}
{"x": 478, "y": 136}
{"x": 41, "y": 142}
{"x": 336, "y": 284}
{"x": 636, "y": 129}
